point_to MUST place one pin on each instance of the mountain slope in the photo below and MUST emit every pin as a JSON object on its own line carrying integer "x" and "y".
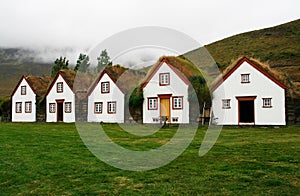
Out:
{"x": 278, "y": 46}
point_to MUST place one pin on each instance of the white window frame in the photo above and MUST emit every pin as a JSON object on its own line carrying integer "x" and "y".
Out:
{"x": 105, "y": 87}
{"x": 68, "y": 107}
{"x": 177, "y": 103}
{"x": 112, "y": 107}
{"x": 245, "y": 78}
{"x": 267, "y": 102}
{"x": 28, "y": 107}
{"x": 52, "y": 107}
{"x": 60, "y": 87}
{"x": 18, "y": 107}
{"x": 152, "y": 103}
{"x": 164, "y": 79}
{"x": 98, "y": 107}
{"x": 23, "y": 90}
{"x": 226, "y": 103}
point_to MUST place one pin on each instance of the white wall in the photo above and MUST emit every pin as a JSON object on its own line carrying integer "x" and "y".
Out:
{"x": 115, "y": 94}
{"x": 259, "y": 86}
{"x": 67, "y": 95}
{"x": 17, "y": 97}
{"x": 177, "y": 88}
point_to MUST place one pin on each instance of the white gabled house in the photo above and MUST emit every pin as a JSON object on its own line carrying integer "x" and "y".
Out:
{"x": 106, "y": 100}
{"x": 165, "y": 94}
{"x": 26, "y": 98}
{"x": 248, "y": 95}
{"x": 60, "y": 98}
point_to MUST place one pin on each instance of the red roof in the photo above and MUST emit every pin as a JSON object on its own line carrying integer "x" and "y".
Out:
{"x": 67, "y": 75}
{"x": 164, "y": 60}
{"x": 254, "y": 65}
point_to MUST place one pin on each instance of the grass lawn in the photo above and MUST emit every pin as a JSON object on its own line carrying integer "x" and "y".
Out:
{"x": 51, "y": 159}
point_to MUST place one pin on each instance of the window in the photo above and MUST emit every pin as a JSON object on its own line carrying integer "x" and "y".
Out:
{"x": 59, "y": 87}
{"x": 28, "y": 106}
{"x": 23, "y": 90}
{"x": 164, "y": 79}
{"x": 104, "y": 87}
{"x": 18, "y": 107}
{"x": 52, "y": 107}
{"x": 267, "y": 102}
{"x": 111, "y": 107}
{"x": 98, "y": 107}
{"x": 245, "y": 78}
{"x": 226, "y": 103}
{"x": 177, "y": 102}
{"x": 68, "y": 108}
{"x": 152, "y": 103}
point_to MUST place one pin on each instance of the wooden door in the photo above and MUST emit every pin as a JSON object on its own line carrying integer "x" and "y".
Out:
{"x": 165, "y": 108}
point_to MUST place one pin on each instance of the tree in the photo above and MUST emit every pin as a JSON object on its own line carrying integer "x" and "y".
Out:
{"x": 82, "y": 63}
{"x": 59, "y": 63}
{"x": 103, "y": 60}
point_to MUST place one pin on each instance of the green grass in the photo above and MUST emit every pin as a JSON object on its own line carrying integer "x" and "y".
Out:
{"x": 51, "y": 159}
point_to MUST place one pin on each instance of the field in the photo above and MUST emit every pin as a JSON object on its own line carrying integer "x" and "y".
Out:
{"x": 51, "y": 159}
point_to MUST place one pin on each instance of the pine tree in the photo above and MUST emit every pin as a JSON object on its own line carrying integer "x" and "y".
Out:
{"x": 59, "y": 63}
{"x": 103, "y": 60}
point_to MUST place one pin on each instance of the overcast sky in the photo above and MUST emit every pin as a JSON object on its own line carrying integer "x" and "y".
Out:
{"x": 82, "y": 24}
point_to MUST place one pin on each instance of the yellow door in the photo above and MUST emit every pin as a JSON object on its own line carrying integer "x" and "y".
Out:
{"x": 165, "y": 108}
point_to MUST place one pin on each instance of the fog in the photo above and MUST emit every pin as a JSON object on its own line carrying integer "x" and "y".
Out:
{"x": 54, "y": 28}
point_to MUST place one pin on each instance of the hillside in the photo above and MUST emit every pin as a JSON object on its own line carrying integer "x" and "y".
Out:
{"x": 277, "y": 46}
{"x": 14, "y": 63}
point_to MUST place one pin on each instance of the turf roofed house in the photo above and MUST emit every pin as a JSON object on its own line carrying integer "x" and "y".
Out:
{"x": 60, "y": 98}
{"x": 248, "y": 95}
{"x": 27, "y": 99}
{"x": 106, "y": 100}
{"x": 165, "y": 94}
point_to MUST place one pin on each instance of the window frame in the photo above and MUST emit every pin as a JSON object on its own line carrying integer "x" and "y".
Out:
{"x": 173, "y": 102}
{"x": 54, "y": 110}
{"x": 23, "y": 92}
{"x": 17, "y": 103}
{"x": 149, "y": 100}
{"x": 100, "y": 112}
{"x": 224, "y": 106}
{"x": 68, "y": 111}
{"x": 108, "y": 108}
{"x": 264, "y": 101}
{"x": 242, "y": 78}
{"x": 62, "y": 87}
{"x": 30, "y": 109}
{"x": 160, "y": 79}
{"x": 108, "y": 87}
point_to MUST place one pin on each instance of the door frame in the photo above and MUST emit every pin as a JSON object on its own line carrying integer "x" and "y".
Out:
{"x": 60, "y": 101}
{"x": 245, "y": 98}
{"x": 165, "y": 96}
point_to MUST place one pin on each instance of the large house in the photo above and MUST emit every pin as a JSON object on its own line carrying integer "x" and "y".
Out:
{"x": 60, "y": 98}
{"x": 106, "y": 100}
{"x": 165, "y": 94}
{"x": 27, "y": 99}
{"x": 248, "y": 95}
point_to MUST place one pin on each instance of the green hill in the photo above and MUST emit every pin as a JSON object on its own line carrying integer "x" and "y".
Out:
{"x": 277, "y": 46}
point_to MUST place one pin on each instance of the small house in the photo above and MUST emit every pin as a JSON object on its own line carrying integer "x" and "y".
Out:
{"x": 248, "y": 94}
{"x": 165, "y": 92}
{"x": 106, "y": 100}
{"x": 60, "y": 98}
{"x": 28, "y": 99}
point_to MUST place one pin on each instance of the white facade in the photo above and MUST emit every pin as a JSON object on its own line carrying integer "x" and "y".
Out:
{"x": 106, "y": 101}
{"x": 159, "y": 99}
{"x": 259, "y": 101}
{"x": 62, "y": 103}
{"x": 23, "y": 103}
